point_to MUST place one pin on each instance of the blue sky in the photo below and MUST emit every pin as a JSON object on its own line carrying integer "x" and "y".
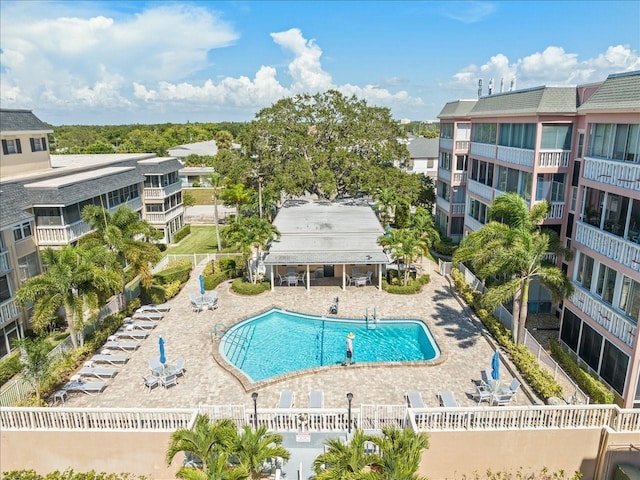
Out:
{"x": 121, "y": 62}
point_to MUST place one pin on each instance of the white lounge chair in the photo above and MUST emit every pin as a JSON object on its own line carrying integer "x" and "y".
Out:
{"x": 99, "y": 372}
{"x": 159, "y": 308}
{"x": 485, "y": 378}
{"x": 121, "y": 345}
{"x": 139, "y": 324}
{"x": 514, "y": 386}
{"x": 112, "y": 358}
{"x": 414, "y": 399}
{"x": 152, "y": 316}
{"x": 282, "y": 279}
{"x": 447, "y": 399}
{"x": 286, "y": 400}
{"x": 155, "y": 365}
{"x": 369, "y": 277}
{"x": 482, "y": 394}
{"x": 90, "y": 388}
{"x": 316, "y": 399}
{"x": 131, "y": 333}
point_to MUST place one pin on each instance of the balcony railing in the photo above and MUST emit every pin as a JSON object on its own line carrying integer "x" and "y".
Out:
{"x": 462, "y": 145}
{"x": 8, "y": 312}
{"x": 444, "y": 175}
{"x": 457, "y": 208}
{"x": 554, "y": 158}
{"x": 616, "y": 248}
{"x": 442, "y": 204}
{"x": 164, "y": 217}
{"x": 483, "y": 150}
{"x": 446, "y": 144}
{"x": 612, "y": 321}
{"x": 472, "y": 223}
{"x": 556, "y": 211}
{"x": 613, "y": 172}
{"x": 61, "y": 235}
{"x": 480, "y": 189}
{"x": 459, "y": 177}
{"x": 162, "y": 192}
{"x": 516, "y": 156}
{"x": 4, "y": 261}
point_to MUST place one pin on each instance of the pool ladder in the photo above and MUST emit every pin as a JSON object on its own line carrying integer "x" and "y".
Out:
{"x": 371, "y": 322}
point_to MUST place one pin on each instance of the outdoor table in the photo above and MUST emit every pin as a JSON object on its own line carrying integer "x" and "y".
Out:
{"x": 164, "y": 371}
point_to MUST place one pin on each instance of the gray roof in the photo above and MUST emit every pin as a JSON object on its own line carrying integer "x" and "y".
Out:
{"x": 534, "y": 101}
{"x": 21, "y": 121}
{"x": 340, "y": 232}
{"x": 420, "y": 147}
{"x": 618, "y": 92}
{"x": 459, "y": 108}
{"x": 199, "y": 148}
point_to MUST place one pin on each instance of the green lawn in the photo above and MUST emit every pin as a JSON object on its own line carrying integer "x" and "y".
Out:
{"x": 201, "y": 240}
{"x": 202, "y": 196}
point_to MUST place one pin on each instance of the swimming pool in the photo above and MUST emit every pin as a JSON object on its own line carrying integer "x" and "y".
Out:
{"x": 276, "y": 342}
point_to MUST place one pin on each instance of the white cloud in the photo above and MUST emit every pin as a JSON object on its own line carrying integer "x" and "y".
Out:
{"x": 467, "y": 11}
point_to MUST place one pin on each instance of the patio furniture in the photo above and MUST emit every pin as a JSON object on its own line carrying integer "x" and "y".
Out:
{"x": 349, "y": 280}
{"x": 447, "y": 399}
{"x": 169, "y": 380}
{"x": 482, "y": 394}
{"x": 302, "y": 277}
{"x": 316, "y": 399}
{"x": 414, "y": 399}
{"x": 156, "y": 308}
{"x": 111, "y": 359}
{"x": 180, "y": 367}
{"x": 150, "y": 382}
{"x": 121, "y": 345}
{"x": 514, "y": 386}
{"x": 282, "y": 279}
{"x": 502, "y": 398}
{"x": 148, "y": 316}
{"x": 90, "y": 388}
{"x": 60, "y": 396}
{"x": 131, "y": 333}
{"x": 286, "y": 399}
{"x": 355, "y": 271}
{"x": 361, "y": 281}
{"x": 292, "y": 280}
{"x": 98, "y": 372}
{"x": 139, "y": 324}
{"x": 369, "y": 276}
{"x": 485, "y": 378}
{"x": 155, "y": 365}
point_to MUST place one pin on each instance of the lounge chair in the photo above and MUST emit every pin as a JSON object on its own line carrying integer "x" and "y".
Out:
{"x": 447, "y": 399}
{"x": 131, "y": 333}
{"x": 140, "y": 324}
{"x": 180, "y": 367}
{"x": 502, "y": 398}
{"x": 514, "y": 386}
{"x": 316, "y": 399}
{"x": 482, "y": 394}
{"x": 121, "y": 345}
{"x": 159, "y": 308}
{"x": 150, "y": 382}
{"x": 111, "y": 359}
{"x": 286, "y": 400}
{"x": 485, "y": 378}
{"x": 168, "y": 381}
{"x": 90, "y": 388}
{"x": 414, "y": 399}
{"x": 99, "y": 372}
{"x": 152, "y": 316}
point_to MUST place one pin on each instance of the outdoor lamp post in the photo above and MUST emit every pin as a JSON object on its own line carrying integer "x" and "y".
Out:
{"x": 349, "y": 398}
{"x": 254, "y": 397}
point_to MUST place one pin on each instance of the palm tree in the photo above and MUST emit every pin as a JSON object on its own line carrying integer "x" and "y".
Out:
{"x": 385, "y": 201}
{"x": 74, "y": 277}
{"x": 236, "y": 195}
{"x": 217, "y": 182}
{"x": 121, "y": 232}
{"x": 34, "y": 356}
{"x": 405, "y": 245}
{"x": 401, "y": 452}
{"x": 250, "y": 233}
{"x": 252, "y": 448}
{"x": 346, "y": 461}
{"x": 512, "y": 251}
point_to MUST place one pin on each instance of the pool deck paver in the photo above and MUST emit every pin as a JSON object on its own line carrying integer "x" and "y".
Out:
{"x": 187, "y": 334}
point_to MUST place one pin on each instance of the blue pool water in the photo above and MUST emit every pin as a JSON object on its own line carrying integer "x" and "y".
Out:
{"x": 278, "y": 342}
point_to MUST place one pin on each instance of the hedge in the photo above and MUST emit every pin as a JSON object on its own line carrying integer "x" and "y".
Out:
{"x": 9, "y": 367}
{"x": 413, "y": 286}
{"x": 179, "y": 271}
{"x": 180, "y": 234}
{"x": 241, "y": 287}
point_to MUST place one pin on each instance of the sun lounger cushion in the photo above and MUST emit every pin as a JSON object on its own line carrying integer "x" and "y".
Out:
{"x": 286, "y": 399}
{"x": 414, "y": 399}
{"x": 316, "y": 399}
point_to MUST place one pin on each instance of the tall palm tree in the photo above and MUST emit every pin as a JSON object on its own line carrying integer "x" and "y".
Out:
{"x": 217, "y": 182}
{"x": 385, "y": 201}
{"x": 405, "y": 244}
{"x": 512, "y": 251}
{"x": 252, "y": 448}
{"x": 74, "y": 277}
{"x": 401, "y": 452}
{"x": 248, "y": 234}
{"x": 346, "y": 461}
{"x": 126, "y": 235}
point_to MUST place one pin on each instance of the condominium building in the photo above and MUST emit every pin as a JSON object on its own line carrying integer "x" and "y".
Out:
{"x": 42, "y": 196}
{"x": 579, "y": 149}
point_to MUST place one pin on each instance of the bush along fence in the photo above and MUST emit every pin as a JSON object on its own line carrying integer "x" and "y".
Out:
{"x": 537, "y": 377}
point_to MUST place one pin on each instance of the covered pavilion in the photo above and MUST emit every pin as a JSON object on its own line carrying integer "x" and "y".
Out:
{"x": 323, "y": 242}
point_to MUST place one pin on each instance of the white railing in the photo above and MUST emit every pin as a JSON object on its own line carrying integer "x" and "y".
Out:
{"x": 612, "y": 321}
{"x": 162, "y": 192}
{"x": 444, "y": 174}
{"x": 367, "y": 417}
{"x": 8, "y": 311}
{"x": 556, "y": 370}
{"x": 462, "y": 145}
{"x": 516, "y": 156}
{"x": 554, "y": 158}
{"x": 237, "y": 413}
{"x": 62, "y": 235}
{"x": 472, "y": 223}
{"x": 459, "y": 177}
{"x": 14, "y": 391}
{"x": 556, "y": 211}
{"x": 164, "y": 217}
{"x": 616, "y": 248}
{"x": 4, "y": 261}
{"x": 613, "y": 172}
{"x": 457, "y": 208}
{"x": 442, "y": 204}
{"x": 486, "y": 150}
{"x": 446, "y": 144}
{"x": 480, "y": 189}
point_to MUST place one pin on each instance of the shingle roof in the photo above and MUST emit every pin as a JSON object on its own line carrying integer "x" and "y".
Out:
{"x": 618, "y": 92}
{"x": 459, "y": 108}
{"x": 21, "y": 121}
{"x": 420, "y": 147}
{"x": 534, "y": 101}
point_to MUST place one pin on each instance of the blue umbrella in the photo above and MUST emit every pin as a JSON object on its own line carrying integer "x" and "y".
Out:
{"x": 163, "y": 359}
{"x": 201, "y": 278}
{"x": 495, "y": 366}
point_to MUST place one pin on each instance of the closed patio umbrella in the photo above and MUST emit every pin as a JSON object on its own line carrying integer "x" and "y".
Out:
{"x": 495, "y": 366}
{"x": 163, "y": 359}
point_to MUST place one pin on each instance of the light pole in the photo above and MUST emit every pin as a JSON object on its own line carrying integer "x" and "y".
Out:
{"x": 254, "y": 397}
{"x": 349, "y": 398}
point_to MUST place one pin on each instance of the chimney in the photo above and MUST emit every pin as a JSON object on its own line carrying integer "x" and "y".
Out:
{"x": 479, "y": 88}
{"x": 491, "y": 87}
{"x": 501, "y": 84}
{"x": 513, "y": 84}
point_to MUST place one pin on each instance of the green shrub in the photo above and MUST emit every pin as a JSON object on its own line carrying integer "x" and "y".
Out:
{"x": 171, "y": 290}
{"x": 179, "y": 271}
{"x": 413, "y": 286}
{"x": 212, "y": 281}
{"x": 132, "y": 306}
{"x": 67, "y": 475}
{"x": 241, "y": 287}
{"x": 9, "y": 367}
{"x": 596, "y": 390}
{"x": 180, "y": 234}
{"x": 445, "y": 246}
{"x": 228, "y": 266}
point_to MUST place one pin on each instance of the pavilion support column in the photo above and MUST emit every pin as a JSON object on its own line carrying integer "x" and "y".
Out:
{"x": 308, "y": 282}
{"x": 273, "y": 283}
{"x": 344, "y": 277}
{"x": 380, "y": 276}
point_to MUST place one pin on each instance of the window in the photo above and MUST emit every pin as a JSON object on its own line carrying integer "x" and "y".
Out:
{"x": 22, "y": 231}
{"x": 518, "y": 135}
{"x": 512, "y": 180}
{"x": 614, "y": 366}
{"x": 5, "y": 290}
{"x": 590, "y": 346}
{"x": 580, "y": 145}
{"x": 570, "y": 331}
{"x": 550, "y": 186}
{"x": 123, "y": 195}
{"x": 556, "y": 137}
{"x": 443, "y": 190}
{"x": 484, "y": 133}
{"x": 10, "y": 147}
{"x": 461, "y": 162}
{"x": 629, "y": 301}
{"x": 38, "y": 144}
{"x": 585, "y": 270}
{"x": 478, "y": 210}
{"x": 47, "y": 216}
{"x": 606, "y": 283}
{"x": 446, "y": 130}
{"x": 28, "y": 266}
{"x": 481, "y": 172}
{"x": 615, "y": 141}
{"x": 445, "y": 160}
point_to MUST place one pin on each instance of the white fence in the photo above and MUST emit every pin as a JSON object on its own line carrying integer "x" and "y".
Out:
{"x": 366, "y": 417}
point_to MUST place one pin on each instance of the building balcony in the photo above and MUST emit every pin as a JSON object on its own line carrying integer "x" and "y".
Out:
{"x": 613, "y": 172}
{"x": 616, "y": 248}
{"x": 442, "y": 204}
{"x": 485, "y": 150}
{"x": 604, "y": 315}
{"x": 446, "y": 144}
{"x": 164, "y": 217}
{"x": 462, "y": 145}
{"x": 480, "y": 189}
{"x": 556, "y": 211}
{"x": 162, "y": 192}
{"x": 472, "y": 224}
{"x": 61, "y": 235}
{"x": 8, "y": 312}
{"x": 554, "y": 158}
{"x": 459, "y": 177}
{"x": 516, "y": 156}
{"x": 4, "y": 261}
{"x": 457, "y": 208}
